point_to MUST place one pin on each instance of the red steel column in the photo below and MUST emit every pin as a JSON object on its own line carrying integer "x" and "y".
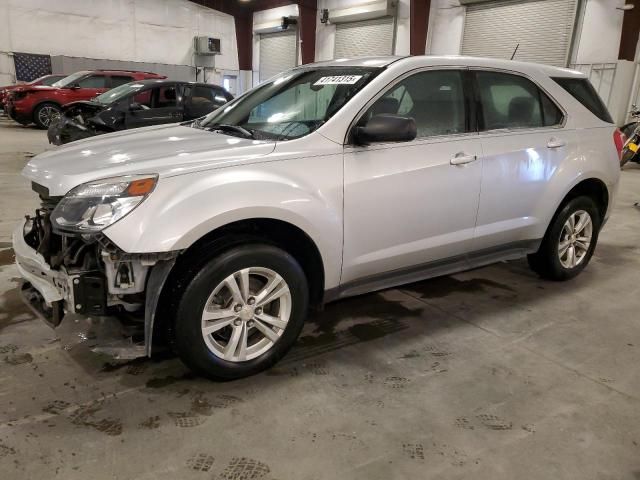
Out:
{"x": 308, "y": 12}
{"x": 244, "y": 38}
{"x": 418, "y": 22}
{"x": 630, "y": 29}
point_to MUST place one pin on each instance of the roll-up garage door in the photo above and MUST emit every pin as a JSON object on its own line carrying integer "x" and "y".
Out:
{"x": 277, "y": 53}
{"x": 365, "y": 38}
{"x": 543, "y": 29}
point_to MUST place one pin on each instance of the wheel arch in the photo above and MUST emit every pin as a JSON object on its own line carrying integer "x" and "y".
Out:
{"x": 285, "y": 235}
{"x": 40, "y": 103}
{"x": 291, "y": 238}
{"x": 592, "y": 187}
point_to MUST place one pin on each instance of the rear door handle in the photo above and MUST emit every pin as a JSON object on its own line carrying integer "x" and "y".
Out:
{"x": 462, "y": 158}
{"x": 555, "y": 143}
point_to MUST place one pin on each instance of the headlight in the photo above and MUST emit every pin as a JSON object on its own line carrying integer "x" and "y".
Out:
{"x": 93, "y": 206}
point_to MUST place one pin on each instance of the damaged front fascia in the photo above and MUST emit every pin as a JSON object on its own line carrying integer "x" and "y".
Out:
{"x": 84, "y": 119}
{"x": 161, "y": 266}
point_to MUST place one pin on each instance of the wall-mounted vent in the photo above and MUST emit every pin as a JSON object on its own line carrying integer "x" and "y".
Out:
{"x": 206, "y": 45}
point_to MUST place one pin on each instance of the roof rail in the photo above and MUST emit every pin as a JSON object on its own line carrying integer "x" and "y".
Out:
{"x": 121, "y": 70}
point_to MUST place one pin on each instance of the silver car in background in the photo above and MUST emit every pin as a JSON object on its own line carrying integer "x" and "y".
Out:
{"x": 327, "y": 181}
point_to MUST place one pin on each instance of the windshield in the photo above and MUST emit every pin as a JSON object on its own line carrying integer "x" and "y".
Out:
{"x": 290, "y": 106}
{"x": 46, "y": 80}
{"x": 117, "y": 93}
{"x": 66, "y": 81}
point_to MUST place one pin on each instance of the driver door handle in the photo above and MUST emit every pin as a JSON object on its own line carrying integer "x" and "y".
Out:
{"x": 462, "y": 158}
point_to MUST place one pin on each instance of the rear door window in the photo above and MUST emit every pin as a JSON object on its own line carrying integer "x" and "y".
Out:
{"x": 117, "y": 80}
{"x": 510, "y": 101}
{"x": 167, "y": 97}
{"x": 202, "y": 96}
{"x": 93, "y": 81}
{"x": 582, "y": 90}
{"x": 157, "y": 97}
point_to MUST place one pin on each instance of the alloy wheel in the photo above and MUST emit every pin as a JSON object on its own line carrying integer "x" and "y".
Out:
{"x": 47, "y": 114}
{"x": 246, "y": 314}
{"x": 575, "y": 239}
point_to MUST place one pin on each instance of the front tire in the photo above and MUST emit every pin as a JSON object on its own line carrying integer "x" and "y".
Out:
{"x": 45, "y": 114}
{"x": 569, "y": 242}
{"x": 241, "y": 311}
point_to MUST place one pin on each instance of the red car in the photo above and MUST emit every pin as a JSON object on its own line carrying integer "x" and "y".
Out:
{"x": 41, "y": 104}
{"x": 46, "y": 80}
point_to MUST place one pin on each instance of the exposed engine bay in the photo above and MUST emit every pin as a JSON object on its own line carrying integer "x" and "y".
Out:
{"x": 93, "y": 276}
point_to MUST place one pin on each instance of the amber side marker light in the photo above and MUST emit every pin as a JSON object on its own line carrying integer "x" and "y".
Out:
{"x": 141, "y": 187}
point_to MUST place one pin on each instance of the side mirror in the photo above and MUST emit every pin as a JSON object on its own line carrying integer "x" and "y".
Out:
{"x": 134, "y": 106}
{"x": 74, "y": 86}
{"x": 386, "y": 128}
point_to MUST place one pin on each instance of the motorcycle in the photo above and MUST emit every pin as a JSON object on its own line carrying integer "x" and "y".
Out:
{"x": 632, "y": 132}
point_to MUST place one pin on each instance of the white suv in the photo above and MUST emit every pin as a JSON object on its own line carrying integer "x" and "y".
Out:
{"x": 329, "y": 180}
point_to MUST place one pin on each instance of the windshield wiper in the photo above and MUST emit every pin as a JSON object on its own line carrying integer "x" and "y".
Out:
{"x": 232, "y": 128}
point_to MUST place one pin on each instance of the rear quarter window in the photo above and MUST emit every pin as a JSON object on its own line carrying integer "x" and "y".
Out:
{"x": 582, "y": 90}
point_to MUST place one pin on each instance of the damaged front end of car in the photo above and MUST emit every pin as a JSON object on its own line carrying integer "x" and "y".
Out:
{"x": 81, "y": 120}
{"x": 78, "y": 281}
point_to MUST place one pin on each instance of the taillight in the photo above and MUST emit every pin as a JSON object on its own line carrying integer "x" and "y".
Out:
{"x": 619, "y": 139}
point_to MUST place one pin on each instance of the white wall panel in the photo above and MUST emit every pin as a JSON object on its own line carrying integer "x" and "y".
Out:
{"x": 154, "y": 31}
{"x": 600, "y": 32}
{"x": 446, "y": 22}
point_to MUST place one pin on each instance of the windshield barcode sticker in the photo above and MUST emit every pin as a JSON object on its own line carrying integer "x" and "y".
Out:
{"x": 339, "y": 80}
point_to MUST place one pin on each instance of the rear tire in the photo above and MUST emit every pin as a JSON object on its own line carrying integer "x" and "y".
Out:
{"x": 570, "y": 241}
{"x": 45, "y": 113}
{"x": 225, "y": 323}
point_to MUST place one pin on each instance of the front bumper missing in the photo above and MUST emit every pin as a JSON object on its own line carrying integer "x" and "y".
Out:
{"x": 49, "y": 294}
{"x": 51, "y": 313}
{"x": 46, "y": 292}
{"x": 56, "y": 297}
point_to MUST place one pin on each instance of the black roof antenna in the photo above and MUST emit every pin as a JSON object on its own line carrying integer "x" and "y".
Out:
{"x": 514, "y": 52}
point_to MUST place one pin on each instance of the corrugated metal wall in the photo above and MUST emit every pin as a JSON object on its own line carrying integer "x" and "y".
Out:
{"x": 543, "y": 29}
{"x": 278, "y": 53}
{"x": 364, "y": 38}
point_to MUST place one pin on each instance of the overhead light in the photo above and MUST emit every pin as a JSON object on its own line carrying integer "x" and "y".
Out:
{"x": 626, "y": 7}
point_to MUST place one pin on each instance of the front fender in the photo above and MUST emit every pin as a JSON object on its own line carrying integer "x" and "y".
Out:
{"x": 305, "y": 192}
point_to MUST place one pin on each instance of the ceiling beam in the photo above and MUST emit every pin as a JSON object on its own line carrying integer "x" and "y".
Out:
{"x": 238, "y": 8}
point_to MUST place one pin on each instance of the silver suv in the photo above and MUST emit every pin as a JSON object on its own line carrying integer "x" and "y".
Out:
{"x": 329, "y": 180}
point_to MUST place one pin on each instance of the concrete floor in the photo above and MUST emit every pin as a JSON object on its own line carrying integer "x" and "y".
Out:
{"x": 489, "y": 374}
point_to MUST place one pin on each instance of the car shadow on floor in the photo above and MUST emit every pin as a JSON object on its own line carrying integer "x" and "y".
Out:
{"x": 419, "y": 309}
{"x": 413, "y": 310}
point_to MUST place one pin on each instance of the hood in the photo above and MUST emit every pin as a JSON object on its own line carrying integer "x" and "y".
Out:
{"x": 167, "y": 150}
{"x": 34, "y": 88}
